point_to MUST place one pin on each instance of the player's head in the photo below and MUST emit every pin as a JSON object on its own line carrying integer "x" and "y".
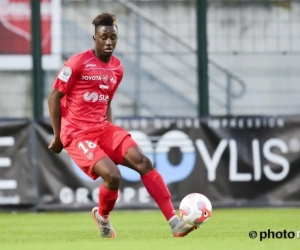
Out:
{"x": 106, "y": 34}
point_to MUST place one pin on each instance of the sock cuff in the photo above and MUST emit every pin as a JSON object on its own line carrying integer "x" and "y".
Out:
{"x": 174, "y": 219}
{"x": 150, "y": 175}
{"x": 105, "y": 190}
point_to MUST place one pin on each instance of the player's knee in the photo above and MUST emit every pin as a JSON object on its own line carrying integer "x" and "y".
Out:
{"x": 113, "y": 179}
{"x": 136, "y": 160}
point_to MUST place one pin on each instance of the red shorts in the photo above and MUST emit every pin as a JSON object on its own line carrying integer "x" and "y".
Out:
{"x": 89, "y": 148}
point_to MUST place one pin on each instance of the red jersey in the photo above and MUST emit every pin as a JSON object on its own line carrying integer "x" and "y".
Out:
{"x": 88, "y": 84}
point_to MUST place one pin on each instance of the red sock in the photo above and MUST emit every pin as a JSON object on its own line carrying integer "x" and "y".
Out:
{"x": 107, "y": 200}
{"x": 159, "y": 191}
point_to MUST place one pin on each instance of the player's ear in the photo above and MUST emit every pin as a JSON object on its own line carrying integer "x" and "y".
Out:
{"x": 94, "y": 37}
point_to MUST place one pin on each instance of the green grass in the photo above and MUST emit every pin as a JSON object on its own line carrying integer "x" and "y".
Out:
{"x": 227, "y": 229}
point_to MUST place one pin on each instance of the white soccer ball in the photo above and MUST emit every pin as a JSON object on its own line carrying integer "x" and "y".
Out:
{"x": 195, "y": 209}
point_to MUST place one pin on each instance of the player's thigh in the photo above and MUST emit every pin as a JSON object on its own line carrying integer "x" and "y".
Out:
{"x": 85, "y": 152}
{"x": 114, "y": 144}
{"x": 122, "y": 149}
{"x": 130, "y": 155}
{"x": 109, "y": 171}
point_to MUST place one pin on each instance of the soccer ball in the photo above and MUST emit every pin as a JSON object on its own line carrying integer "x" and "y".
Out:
{"x": 195, "y": 209}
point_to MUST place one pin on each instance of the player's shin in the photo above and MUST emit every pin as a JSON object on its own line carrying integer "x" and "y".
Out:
{"x": 107, "y": 200}
{"x": 159, "y": 191}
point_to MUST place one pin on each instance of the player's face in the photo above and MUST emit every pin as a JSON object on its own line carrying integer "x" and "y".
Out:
{"x": 105, "y": 40}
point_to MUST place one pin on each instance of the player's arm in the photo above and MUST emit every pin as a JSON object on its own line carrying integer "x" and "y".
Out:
{"x": 55, "y": 116}
{"x": 109, "y": 112}
{"x": 55, "y": 110}
{"x": 61, "y": 86}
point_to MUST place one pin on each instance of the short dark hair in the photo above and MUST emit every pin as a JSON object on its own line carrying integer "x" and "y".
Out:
{"x": 105, "y": 19}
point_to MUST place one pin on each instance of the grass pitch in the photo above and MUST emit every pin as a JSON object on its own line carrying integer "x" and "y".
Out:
{"x": 143, "y": 230}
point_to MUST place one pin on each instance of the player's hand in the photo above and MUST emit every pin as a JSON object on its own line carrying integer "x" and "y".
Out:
{"x": 56, "y": 146}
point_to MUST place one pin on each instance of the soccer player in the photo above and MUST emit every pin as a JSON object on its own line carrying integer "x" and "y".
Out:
{"x": 81, "y": 116}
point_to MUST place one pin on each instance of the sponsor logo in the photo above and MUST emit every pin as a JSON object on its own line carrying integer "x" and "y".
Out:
{"x": 113, "y": 81}
{"x": 95, "y": 97}
{"x": 103, "y": 87}
{"x": 91, "y": 78}
{"x": 103, "y": 98}
{"x": 65, "y": 74}
{"x": 90, "y": 65}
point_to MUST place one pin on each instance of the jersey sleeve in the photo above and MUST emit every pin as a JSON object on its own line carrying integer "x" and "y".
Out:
{"x": 116, "y": 85}
{"x": 67, "y": 76}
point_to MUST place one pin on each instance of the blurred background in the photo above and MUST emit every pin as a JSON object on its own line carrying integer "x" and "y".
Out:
{"x": 252, "y": 49}
{"x": 182, "y": 58}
